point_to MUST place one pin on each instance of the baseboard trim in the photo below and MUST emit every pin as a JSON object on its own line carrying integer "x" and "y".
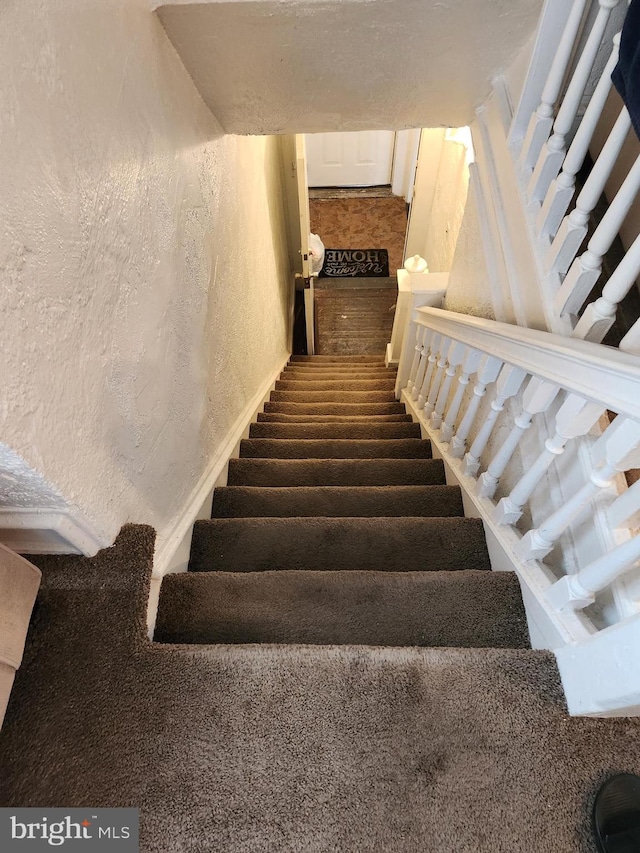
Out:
{"x": 49, "y": 530}
{"x": 169, "y": 540}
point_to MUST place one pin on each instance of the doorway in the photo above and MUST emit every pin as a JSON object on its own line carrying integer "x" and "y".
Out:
{"x": 362, "y": 159}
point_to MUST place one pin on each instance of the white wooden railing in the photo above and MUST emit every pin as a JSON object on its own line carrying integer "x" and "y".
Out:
{"x": 551, "y": 152}
{"x": 478, "y": 387}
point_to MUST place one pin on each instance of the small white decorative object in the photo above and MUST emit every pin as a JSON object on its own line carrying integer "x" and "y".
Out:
{"x": 416, "y": 264}
{"x": 316, "y": 252}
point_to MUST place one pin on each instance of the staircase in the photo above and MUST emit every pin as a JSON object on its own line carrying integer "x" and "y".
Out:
{"x": 336, "y": 528}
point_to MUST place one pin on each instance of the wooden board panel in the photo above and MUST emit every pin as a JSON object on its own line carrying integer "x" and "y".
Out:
{"x": 354, "y": 320}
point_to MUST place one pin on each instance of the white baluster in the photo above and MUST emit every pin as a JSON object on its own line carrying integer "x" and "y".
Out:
{"x": 429, "y": 406}
{"x": 455, "y": 358}
{"x": 428, "y": 377}
{"x": 508, "y": 384}
{"x": 573, "y": 229}
{"x": 469, "y": 367}
{"x": 573, "y": 592}
{"x": 560, "y": 193}
{"x": 537, "y": 397}
{"x": 625, "y": 510}
{"x": 542, "y": 120}
{"x": 621, "y": 447}
{"x": 420, "y": 333}
{"x": 599, "y": 316}
{"x": 575, "y": 417}
{"x": 427, "y": 343}
{"x": 487, "y": 372}
{"x": 585, "y": 270}
{"x": 550, "y": 160}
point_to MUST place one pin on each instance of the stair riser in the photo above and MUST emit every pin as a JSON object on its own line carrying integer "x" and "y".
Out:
{"x": 320, "y": 385}
{"x": 360, "y": 409}
{"x": 332, "y": 397}
{"x": 470, "y": 609}
{"x": 273, "y": 448}
{"x": 268, "y": 417}
{"x": 337, "y": 359}
{"x": 269, "y": 473}
{"x": 342, "y": 373}
{"x": 341, "y": 431}
{"x": 339, "y": 544}
{"x": 337, "y": 501}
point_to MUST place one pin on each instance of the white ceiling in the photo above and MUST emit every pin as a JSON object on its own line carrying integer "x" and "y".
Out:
{"x": 283, "y": 66}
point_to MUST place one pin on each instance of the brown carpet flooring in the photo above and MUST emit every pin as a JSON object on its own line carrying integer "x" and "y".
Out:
{"x": 297, "y": 732}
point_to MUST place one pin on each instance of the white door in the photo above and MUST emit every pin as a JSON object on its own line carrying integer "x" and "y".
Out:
{"x": 361, "y": 159}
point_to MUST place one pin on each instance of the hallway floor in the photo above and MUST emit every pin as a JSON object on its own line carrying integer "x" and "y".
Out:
{"x": 362, "y": 223}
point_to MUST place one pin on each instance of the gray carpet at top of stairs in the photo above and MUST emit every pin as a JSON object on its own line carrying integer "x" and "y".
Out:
{"x": 334, "y": 448}
{"x": 338, "y": 430}
{"x": 466, "y": 608}
{"x": 289, "y": 748}
{"x": 364, "y": 501}
{"x": 335, "y": 472}
{"x": 338, "y": 544}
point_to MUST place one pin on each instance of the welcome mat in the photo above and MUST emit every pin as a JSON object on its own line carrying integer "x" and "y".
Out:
{"x": 355, "y": 263}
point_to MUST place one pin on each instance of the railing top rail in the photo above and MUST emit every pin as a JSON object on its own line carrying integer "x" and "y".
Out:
{"x": 602, "y": 374}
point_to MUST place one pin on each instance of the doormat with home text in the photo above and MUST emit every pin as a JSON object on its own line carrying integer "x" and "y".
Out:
{"x": 355, "y": 263}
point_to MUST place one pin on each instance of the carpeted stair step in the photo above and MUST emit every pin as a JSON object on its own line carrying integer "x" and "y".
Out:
{"x": 330, "y": 408}
{"x": 340, "y": 430}
{"x": 374, "y": 396}
{"x": 334, "y": 448}
{"x": 280, "y": 418}
{"x": 338, "y": 371}
{"x": 338, "y": 544}
{"x": 335, "y": 472}
{"x": 470, "y": 609}
{"x": 339, "y": 385}
{"x": 337, "y": 359}
{"x": 334, "y": 501}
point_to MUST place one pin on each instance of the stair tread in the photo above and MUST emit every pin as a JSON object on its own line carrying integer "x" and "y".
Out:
{"x": 315, "y": 543}
{"x": 335, "y": 385}
{"x": 313, "y": 373}
{"x": 331, "y": 395}
{"x": 335, "y": 472}
{"x": 343, "y": 359}
{"x": 251, "y": 501}
{"x": 283, "y": 418}
{"x": 331, "y": 408}
{"x": 365, "y": 431}
{"x": 335, "y": 448}
{"x": 467, "y": 608}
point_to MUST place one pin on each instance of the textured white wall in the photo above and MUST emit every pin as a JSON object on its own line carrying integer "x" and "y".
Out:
{"x": 469, "y": 290}
{"x": 268, "y": 66}
{"x": 447, "y": 210}
{"x": 144, "y": 284}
